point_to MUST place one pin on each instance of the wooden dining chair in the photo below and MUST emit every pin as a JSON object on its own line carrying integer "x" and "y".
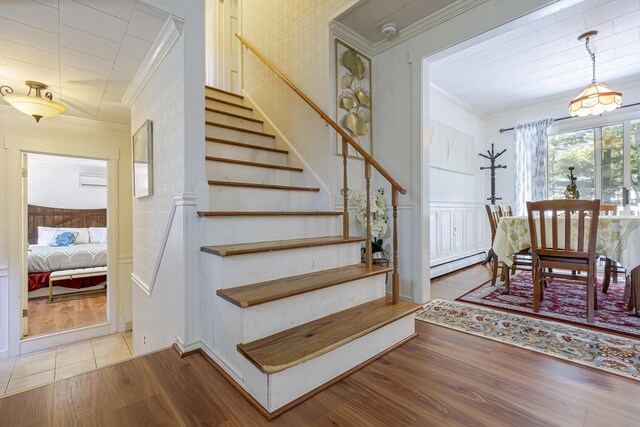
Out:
{"x": 519, "y": 261}
{"x": 612, "y": 269}
{"x": 566, "y": 255}
{"x": 493, "y": 212}
{"x": 505, "y": 210}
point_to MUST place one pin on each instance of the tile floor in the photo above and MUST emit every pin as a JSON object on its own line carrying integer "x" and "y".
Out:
{"x": 35, "y": 369}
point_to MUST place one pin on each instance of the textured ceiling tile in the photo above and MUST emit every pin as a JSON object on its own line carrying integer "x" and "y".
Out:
{"x": 92, "y": 21}
{"x": 18, "y": 32}
{"x": 88, "y": 43}
{"x": 144, "y": 26}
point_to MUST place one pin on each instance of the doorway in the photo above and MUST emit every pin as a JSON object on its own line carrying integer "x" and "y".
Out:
{"x": 65, "y": 213}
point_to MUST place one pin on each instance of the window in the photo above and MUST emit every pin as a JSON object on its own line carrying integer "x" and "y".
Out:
{"x": 571, "y": 149}
{"x": 598, "y": 156}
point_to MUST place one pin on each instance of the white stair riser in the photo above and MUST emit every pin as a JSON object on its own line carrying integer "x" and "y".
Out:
{"x": 296, "y": 381}
{"x": 239, "y": 270}
{"x": 212, "y": 116}
{"x": 223, "y": 171}
{"x": 226, "y": 198}
{"x": 225, "y": 97}
{"x": 239, "y": 136}
{"x": 243, "y": 153}
{"x": 267, "y": 319}
{"x": 241, "y": 229}
{"x": 212, "y": 103}
{"x": 276, "y": 390}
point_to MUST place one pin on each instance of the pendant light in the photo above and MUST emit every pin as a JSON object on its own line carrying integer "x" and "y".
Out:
{"x": 597, "y": 98}
{"x": 35, "y": 106}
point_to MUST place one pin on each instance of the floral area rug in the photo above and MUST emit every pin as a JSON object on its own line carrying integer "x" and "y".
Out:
{"x": 562, "y": 301}
{"x": 611, "y": 353}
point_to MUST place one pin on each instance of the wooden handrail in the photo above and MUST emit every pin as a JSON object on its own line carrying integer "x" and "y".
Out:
{"x": 367, "y": 157}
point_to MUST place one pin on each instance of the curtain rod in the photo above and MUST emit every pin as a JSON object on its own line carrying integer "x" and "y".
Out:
{"x": 503, "y": 130}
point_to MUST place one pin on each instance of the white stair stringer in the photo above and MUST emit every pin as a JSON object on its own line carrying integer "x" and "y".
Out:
{"x": 246, "y": 229}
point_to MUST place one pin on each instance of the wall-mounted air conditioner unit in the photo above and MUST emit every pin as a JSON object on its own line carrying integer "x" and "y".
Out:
{"x": 92, "y": 180}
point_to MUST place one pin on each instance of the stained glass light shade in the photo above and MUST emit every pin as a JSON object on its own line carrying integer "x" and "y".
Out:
{"x": 595, "y": 99}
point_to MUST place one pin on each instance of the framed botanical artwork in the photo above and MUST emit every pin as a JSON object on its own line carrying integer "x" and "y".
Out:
{"x": 142, "y": 156}
{"x": 353, "y": 97}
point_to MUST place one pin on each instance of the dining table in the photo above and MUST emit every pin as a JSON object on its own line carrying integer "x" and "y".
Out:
{"x": 618, "y": 238}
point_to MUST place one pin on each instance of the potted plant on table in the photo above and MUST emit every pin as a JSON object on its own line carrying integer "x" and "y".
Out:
{"x": 379, "y": 220}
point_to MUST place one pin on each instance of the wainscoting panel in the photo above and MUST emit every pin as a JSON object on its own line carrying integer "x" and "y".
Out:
{"x": 458, "y": 235}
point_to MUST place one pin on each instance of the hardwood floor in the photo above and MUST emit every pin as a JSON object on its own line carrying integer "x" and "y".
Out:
{"x": 46, "y": 317}
{"x": 442, "y": 377}
{"x": 453, "y": 285}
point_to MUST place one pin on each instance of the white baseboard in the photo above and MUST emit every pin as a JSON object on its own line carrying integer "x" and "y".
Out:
{"x": 456, "y": 265}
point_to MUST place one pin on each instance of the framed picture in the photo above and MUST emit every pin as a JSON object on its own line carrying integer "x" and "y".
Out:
{"x": 353, "y": 98}
{"x": 142, "y": 155}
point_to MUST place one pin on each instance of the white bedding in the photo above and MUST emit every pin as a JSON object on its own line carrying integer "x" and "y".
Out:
{"x": 47, "y": 258}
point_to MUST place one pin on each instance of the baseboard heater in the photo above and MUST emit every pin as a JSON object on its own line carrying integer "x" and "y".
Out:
{"x": 456, "y": 264}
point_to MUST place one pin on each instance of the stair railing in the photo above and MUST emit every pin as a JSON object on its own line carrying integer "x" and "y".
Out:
{"x": 368, "y": 163}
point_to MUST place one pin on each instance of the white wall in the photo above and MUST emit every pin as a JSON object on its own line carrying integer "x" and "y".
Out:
{"x": 457, "y": 215}
{"x": 505, "y": 182}
{"x": 68, "y": 135}
{"x": 55, "y": 182}
{"x": 166, "y": 242}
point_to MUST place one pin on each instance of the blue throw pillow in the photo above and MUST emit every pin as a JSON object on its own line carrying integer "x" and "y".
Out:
{"x": 65, "y": 238}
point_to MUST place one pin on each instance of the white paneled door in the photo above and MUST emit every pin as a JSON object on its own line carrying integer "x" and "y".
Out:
{"x": 231, "y": 45}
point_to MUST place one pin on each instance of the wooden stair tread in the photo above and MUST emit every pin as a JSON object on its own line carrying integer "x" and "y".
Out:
{"x": 260, "y": 293}
{"x": 255, "y": 132}
{"x": 269, "y": 213}
{"x": 256, "y": 164}
{"x": 237, "y": 116}
{"x": 224, "y": 91}
{"x": 265, "y": 186}
{"x": 278, "y": 245}
{"x": 244, "y": 144}
{"x": 222, "y": 101}
{"x": 297, "y": 345}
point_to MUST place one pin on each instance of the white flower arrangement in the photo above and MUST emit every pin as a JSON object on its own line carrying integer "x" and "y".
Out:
{"x": 379, "y": 217}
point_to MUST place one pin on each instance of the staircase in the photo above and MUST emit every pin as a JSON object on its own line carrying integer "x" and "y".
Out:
{"x": 293, "y": 306}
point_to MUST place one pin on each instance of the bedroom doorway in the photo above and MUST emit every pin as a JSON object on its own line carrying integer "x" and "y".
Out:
{"x": 65, "y": 283}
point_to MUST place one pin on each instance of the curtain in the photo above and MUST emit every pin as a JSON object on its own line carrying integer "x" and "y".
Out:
{"x": 531, "y": 163}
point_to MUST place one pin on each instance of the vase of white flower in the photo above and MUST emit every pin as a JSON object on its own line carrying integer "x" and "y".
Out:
{"x": 379, "y": 218}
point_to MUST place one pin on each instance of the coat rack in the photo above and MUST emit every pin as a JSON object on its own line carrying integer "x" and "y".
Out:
{"x": 492, "y": 156}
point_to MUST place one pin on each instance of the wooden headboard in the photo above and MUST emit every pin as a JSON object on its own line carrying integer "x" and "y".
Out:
{"x": 58, "y": 217}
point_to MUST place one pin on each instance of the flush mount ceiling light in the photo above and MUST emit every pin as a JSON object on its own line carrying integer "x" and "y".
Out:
{"x": 35, "y": 106}
{"x": 389, "y": 30}
{"x": 597, "y": 98}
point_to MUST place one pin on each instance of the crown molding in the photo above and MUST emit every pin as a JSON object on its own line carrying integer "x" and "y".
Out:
{"x": 169, "y": 34}
{"x": 350, "y": 37}
{"x": 446, "y": 13}
{"x": 457, "y": 101}
{"x": 71, "y": 120}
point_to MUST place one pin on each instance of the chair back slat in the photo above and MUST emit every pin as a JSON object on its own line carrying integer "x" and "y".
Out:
{"x": 554, "y": 229}
{"x": 505, "y": 210}
{"x": 581, "y": 216}
{"x": 493, "y": 212}
{"x": 584, "y": 247}
{"x": 567, "y": 229}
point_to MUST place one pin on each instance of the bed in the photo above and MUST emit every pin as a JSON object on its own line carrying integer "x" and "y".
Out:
{"x": 79, "y": 266}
